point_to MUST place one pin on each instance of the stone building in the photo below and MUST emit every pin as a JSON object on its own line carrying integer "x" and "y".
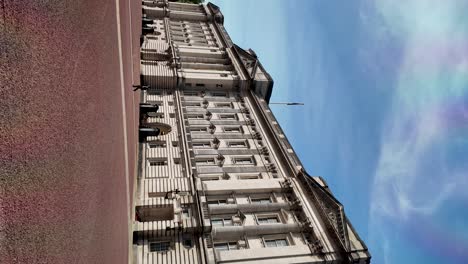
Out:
{"x": 221, "y": 183}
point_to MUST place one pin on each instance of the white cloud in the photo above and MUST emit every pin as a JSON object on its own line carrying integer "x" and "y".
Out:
{"x": 416, "y": 129}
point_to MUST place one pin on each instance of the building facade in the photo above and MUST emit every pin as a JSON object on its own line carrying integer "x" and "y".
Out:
{"x": 221, "y": 183}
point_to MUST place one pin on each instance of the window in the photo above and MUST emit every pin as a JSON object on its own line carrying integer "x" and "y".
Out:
{"x": 219, "y": 85}
{"x": 243, "y": 160}
{"x": 191, "y": 93}
{"x": 214, "y": 178}
{"x": 249, "y": 177}
{"x": 225, "y": 221}
{"x": 156, "y": 194}
{"x": 223, "y": 75}
{"x": 218, "y": 94}
{"x": 237, "y": 144}
{"x": 232, "y": 129}
{"x": 192, "y": 104}
{"x": 223, "y": 105}
{"x": 201, "y": 144}
{"x": 185, "y": 212}
{"x": 176, "y": 161}
{"x": 187, "y": 243}
{"x": 200, "y": 85}
{"x": 157, "y": 144}
{"x": 226, "y": 246}
{"x": 154, "y": 92}
{"x": 282, "y": 242}
{"x": 156, "y": 114}
{"x": 158, "y": 162}
{"x": 175, "y": 143}
{"x": 262, "y": 220}
{"x": 260, "y": 200}
{"x": 198, "y": 129}
{"x": 172, "y": 115}
{"x": 205, "y": 161}
{"x": 156, "y": 102}
{"x": 228, "y": 116}
{"x": 195, "y": 116}
{"x": 170, "y": 103}
{"x": 218, "y": 201}
{"x": 159, "y": 246}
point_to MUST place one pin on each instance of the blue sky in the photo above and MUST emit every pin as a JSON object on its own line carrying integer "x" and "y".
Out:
{"x": 385, "y": 85}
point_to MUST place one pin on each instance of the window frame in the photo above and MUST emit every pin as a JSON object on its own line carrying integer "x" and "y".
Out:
{"x": 157, "y": 144}
{"x": 160, "y": 161}
{"x": 223, "y": 105}
{"x": 201, "y": 144}
{"x": 265, "y": 242}
{"x": 231, "y": 245}
{"x": 201, "y": 129}
{"x": 236, "y": 160}
{"x": 260, "y": 200}
{"x": 191, "y": 93}
{"x": 264, "y": 219}
{"x": 192, "y": 104}
{"x": 199, "y": 161}
{"x": 245, "y": 144}
{"x": 219, "y": 94}
{"x": 228, "y": 116}
{"x": 239, "y": 129}
{"x": 193, "y": 116}
{"x": 225, "y": 221}
{"x": 164, "y": 246}
{"x": 217, "y": 201}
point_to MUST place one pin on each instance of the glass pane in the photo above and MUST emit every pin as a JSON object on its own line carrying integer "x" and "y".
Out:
{"x": 221, "y": 246}
{"x": 273, "y": 220}
{"x": 232, "y": 245}
{"x": 217, "y": 222}
{"x": 282, "y": 242}
{"x": 270, "y": 243}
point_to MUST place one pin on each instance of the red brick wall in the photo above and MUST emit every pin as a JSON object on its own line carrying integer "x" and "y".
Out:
{"x": 62, "y": 172}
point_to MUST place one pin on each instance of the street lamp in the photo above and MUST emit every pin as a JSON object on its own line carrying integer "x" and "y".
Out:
{"x": 288, "y": 103}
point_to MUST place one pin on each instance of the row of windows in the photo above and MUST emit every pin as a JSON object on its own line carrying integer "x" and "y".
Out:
{"x": 242, "y": 160}
{"x": 216, "y": 105}
{"x": 231, "y": 200}
{"x": 243, "y": 176}
{"x": 203, "y": 93}
{"x": 229, "y": 144}
{"x": 160, "y": 115}
{"x": 161, "y": 144}
{"x": 267, "y": 242}
{"x": 229, "y": 221}
{"x": 227, "y": 129}
{"x": 220, "y": 116}
{"x": 161, "y": 162}
{"x": 164, "y": 246}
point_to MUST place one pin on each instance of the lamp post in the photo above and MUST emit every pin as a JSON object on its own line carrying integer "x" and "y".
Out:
{"x": 287, "y": 103}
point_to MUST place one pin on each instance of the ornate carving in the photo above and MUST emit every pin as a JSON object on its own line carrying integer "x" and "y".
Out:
{"x": 330, "y": 209}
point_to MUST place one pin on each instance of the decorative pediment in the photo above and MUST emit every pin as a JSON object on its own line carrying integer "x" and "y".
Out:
{"x": 249, "y": 61}
{"x": 330, "y": 209}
